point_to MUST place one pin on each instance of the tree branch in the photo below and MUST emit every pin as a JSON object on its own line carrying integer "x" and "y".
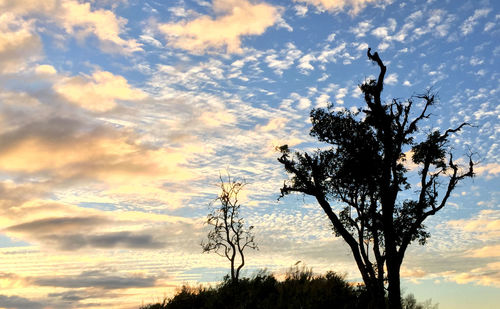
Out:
{"x": 380, "y": 81}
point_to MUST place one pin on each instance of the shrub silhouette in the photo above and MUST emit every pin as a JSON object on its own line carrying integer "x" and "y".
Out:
{"x": 300, "y": 289}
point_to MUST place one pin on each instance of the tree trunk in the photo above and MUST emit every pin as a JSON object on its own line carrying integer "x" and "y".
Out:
{"x": 394, "y": 287}
{"x": 232, "y": 271}
{"x": 377, "y": 295}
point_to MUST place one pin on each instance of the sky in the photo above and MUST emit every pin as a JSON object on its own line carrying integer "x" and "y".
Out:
{"x": 118, "y": 117}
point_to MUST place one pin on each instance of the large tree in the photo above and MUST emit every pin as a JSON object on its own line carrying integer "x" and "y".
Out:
{"x": 360, "y": 180}
{"x": 228, "y": 236}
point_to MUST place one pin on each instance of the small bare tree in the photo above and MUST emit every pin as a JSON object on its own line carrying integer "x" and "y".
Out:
{"x": 228, "y": 236}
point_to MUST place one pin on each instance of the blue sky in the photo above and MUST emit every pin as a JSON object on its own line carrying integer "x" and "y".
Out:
{"x": 117, "y": 117}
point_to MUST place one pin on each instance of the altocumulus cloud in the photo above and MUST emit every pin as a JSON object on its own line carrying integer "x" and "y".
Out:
{"x": 339, "y": 5}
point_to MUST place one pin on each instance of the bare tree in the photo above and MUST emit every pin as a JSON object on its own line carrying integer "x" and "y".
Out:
{"x": 228, "y": 236}
{"x": 363, "y": 172}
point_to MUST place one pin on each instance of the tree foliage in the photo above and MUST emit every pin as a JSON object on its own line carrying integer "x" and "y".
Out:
{"x": 228, "y": 236}
{"x": 359, "y": 176}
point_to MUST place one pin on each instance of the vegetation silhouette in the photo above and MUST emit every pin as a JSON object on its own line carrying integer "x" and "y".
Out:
{"x": 410, "y": 302}
{"x": 228, "y": 236}
{"x": 299, "y": 289}
{"x": 363, "y": 170}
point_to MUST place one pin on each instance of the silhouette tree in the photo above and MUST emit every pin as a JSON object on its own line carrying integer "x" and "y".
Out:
{"x": 363, "y": 172}
{"x": 228, "y": 236}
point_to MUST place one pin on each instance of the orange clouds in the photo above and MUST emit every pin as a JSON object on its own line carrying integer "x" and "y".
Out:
{"x": 110, "y": 165}
{"x": 216, "y": 119}
{"x": 99, "y": 92}
{"x": 58, "y": 148}
{"x": 80, "y": 20}
{"x": 413, "y": 274}
{"x": 17, "y": 43}
{"x": 488, "y": 275}
{"x": 486, "y": 225}
{"x": 45, "y": 69}
{"x": 27, "y": 6}
{"x": 236, "y": 18}
{"x": 489, "y": 170}
{"x": 274, "y": 124}
{"x": 487, "y": 251}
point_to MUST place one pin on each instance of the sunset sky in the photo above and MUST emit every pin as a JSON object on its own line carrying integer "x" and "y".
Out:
{"x": 118, "y": 116}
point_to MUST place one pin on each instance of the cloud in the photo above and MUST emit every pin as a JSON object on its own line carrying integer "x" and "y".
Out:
{"x": 362, "y": 28}
{"x": 339, "y": 5}
{"x": 341, "y": 93}
{"x": 80, "y": 20}
{"x": 18, "y": 43}
{"x": 413, "y": 273}
{"x": 438, "y": 24}
{"x": 383, "y": 32}
{"x": 301, "y": 10}
{"x": 235, "y": 19}
{"x": 99, "y": 92}
{"x": 74, "y": 296}
{"x": 274, "y": 124}
{"x": 111, "y": 240}
{"x": 213, "y": 119}
{"x": 58, "y": 225}
{"x": 329, "y": 54}
{"x": 69, "y": 228}
{"x": 305, "y": 63}
{"x": 304, "y": 103}
{"x": 468, "y": 25}
{"x": 13, "y": 195}
{"x": 489, "y": 170}
{"x": 29, "y": 6}
{"x": 391, "y": 79}
{"x": 485, "y": 226}
{"x": 486, "y": 251}
{"x": 45, "y": 69}
{"x": 16, "y": 302}
{"x": 322, "y": 100}
{"x": 488, "y": 275}
{"x": 68, "y": 150}
{"x": 97, "y": 279}
{"x": 283, "y": 60}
